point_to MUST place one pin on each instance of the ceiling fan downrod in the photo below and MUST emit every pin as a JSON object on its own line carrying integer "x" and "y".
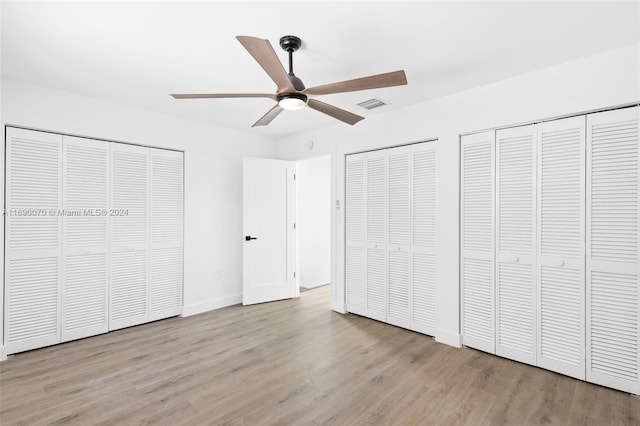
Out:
{"x": 290, "y": 44}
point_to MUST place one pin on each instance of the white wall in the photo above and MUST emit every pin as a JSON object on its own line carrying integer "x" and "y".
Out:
{"x": 213, "y": 176}
{"x": 314, "y": 221}
{"x": 604, "y": 80}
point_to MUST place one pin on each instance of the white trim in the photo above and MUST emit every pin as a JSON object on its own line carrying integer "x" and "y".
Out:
{"x": 341, "y": 309}
{"x": 3, "y": 353}
{"x": 211, "y": 305}
{"x": 448, "y": 338}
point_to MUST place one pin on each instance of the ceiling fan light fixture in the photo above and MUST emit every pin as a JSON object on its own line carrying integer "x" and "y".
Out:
{"x": 292, "y": 101}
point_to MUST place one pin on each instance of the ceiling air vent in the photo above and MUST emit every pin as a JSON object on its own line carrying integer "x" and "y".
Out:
{"x": 372, "y": 103}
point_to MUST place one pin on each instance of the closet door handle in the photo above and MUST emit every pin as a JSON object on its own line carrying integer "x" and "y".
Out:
{"x": 559, "y": 263}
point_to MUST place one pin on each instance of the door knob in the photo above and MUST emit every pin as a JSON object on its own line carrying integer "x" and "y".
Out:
{"x": 249, "y": 238}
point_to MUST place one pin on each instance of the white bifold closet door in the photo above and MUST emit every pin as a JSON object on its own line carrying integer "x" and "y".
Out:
{"x": 166, "y": 234}
{"x": 613, "y": 291}
{"x": 399, "y": 235}
{"x": 355, "y": 277}
{"x": 390, "y": 235}
{"x": 515, "y": 243}
{"x": 129, "y": 228}
{"x": 561, "y": 246}
{"x": 567, "y": 295}
{"x": 33, "y": 239}
{"x": 423, "y": 296}
{"x": 477, "y": 240}
{"x": 85, "y": 224}
{"x": 376, "y": 235}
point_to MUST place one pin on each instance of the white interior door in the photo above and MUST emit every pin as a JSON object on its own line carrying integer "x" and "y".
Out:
{"x": 269, "y": 231}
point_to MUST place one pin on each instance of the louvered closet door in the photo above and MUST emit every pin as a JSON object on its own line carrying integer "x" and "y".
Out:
{"x": 129, "y": 240}
{"x": 477, "y": 240}
{"x": 398, "y": 235}
{"x": 355, "y": 233}
{"x": 376, "y": 232}
{"x": 166, "y": 234}
{"x": 33, "y": 239}
{"x": 561, "y": 217}
{"x": 515, "y": 244}
{"x": 423, "y": 233}
{"x": 85, "y": 262}
{"x": 613, "y": 297}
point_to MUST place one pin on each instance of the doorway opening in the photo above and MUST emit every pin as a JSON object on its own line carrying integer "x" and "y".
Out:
{"x": 313, "y": 223}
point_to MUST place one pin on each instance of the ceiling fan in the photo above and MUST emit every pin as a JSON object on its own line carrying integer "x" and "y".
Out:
{"x": 291, "y": 93}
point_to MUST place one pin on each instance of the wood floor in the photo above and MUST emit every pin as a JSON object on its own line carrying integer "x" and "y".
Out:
{"x": 289, "y": 362}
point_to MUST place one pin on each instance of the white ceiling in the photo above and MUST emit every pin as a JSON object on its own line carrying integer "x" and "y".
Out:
{"x": 136, "y": 53}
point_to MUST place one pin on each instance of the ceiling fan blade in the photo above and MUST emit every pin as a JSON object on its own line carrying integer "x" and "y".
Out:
{"x": 263, "y": 53}
{"x": 334, "y": 112}
{"x": 269, "y": 116}
{"x": 395, "y": 78}
{"x": 223, "y": 95}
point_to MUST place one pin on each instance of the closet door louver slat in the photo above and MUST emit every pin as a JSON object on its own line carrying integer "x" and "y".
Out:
{"x": 85, "y": 255}
{"x": 515, "y": 244}
{"x": 613, "y": 292}
{"x": 561, "y": 235}
{"x": 423, "y": 229}
{"x": 33, "y": 239}
{"x": 477, "y": 241}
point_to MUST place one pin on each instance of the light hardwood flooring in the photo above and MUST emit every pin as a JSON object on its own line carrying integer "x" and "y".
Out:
{"x": 290, "y": 362}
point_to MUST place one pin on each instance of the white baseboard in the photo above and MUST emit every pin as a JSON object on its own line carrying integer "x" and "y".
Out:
{"x": 3, "y": 353}
{"x": 448, "y": 338}
{"x": 210, "y": 305}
